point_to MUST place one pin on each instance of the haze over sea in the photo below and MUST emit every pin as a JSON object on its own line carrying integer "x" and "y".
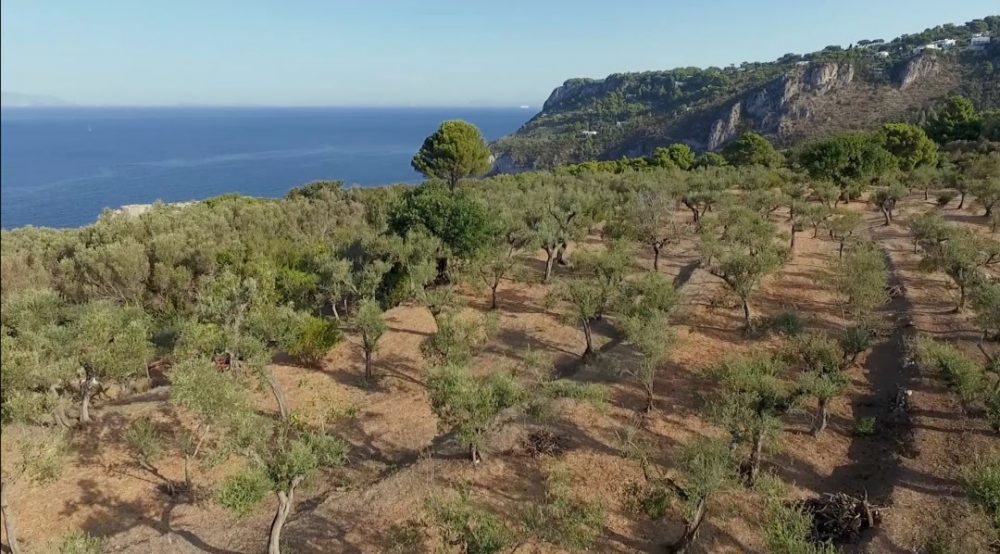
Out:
{"x": 59, "y": 167}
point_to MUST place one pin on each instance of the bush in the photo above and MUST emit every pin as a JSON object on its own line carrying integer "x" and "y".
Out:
{"x": 80, "y": 542}
{"x": 313, "y": 339}
{"x": 856, "y": 340}
{"x": 982, "y": 484}
{"x": 565, "y": 521}
{"x": 473, "y": 530}
{"x": 945, "y": 361}
{"x": 945, "y": 197}
{"x": 787, "y": 323}
{"x": 144, "y": 439}
{"x": 787, "y": 530}
{"x": 242, "y": 492}
{"x": 865, "y": 427}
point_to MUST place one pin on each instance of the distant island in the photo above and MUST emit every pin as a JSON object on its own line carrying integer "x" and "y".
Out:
{"x": 22, "y": 100}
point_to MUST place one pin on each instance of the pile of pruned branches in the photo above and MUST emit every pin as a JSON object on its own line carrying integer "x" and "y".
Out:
{"x": 840, "y": 517}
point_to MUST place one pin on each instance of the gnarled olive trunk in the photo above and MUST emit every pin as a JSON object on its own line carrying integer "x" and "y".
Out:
{"x": 690, "y": 529}
{"x": 822, "y": 413}
{"x": 286, "y": 500}
{"x": 474, "y": 454}
{"x": 588, "y": 334}
{"x": 549, "y": 262}
{"x": 747, "y": 317}
{"x": 277, "y": 391}
{"x": 369, "y": 365}
{"x": 87, "y": 391}
{"x": 656, "y": 257}
{"x": 8, "y": 521}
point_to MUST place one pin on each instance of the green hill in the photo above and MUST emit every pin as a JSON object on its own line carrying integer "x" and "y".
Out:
{"x": 789, "y": 100}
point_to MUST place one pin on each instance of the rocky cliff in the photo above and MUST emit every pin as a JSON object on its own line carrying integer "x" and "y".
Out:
{"x": 790, "y": 100}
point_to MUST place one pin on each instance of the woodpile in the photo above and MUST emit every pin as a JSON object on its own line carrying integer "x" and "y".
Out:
{"x": 840, "y": 518}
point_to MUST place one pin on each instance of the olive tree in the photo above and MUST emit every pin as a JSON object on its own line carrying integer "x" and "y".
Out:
{"x": 885, "y": 199}
{"x": 471, "y": 405}
{"x": 371, "y": 326}
{"x": 753, "y": 397}
{"x": 740, "y": 248}
{"x": 860, "y": 278}
{"x": 648, "y": 218}
{"x": 821, "y": 362}
{"x": 962, "y": 255}
{"x": 289, "y": 455}
{"x": 212, "y": 397}
{"x": 644, "y": 315}
{"x": 110, "y": 343}
{"x": 842, "y": 226}
{"x": 595, "y": 290}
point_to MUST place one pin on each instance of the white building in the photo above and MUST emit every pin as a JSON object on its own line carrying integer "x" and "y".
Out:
{"x": 944, "y": 44}
{"x": 588, "y": 133}
{"x": 883, "y": 54}
{"x": 930, "y": 46}
{"x": 979, "y": 42}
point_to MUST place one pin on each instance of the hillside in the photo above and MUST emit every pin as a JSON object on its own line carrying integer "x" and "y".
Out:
{"x": 792, "y": 99}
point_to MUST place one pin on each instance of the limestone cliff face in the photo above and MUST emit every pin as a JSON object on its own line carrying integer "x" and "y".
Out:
{"x": 726, "y": 128}
{"x": 766, "y": 108}
{"x": 917, "y": 69}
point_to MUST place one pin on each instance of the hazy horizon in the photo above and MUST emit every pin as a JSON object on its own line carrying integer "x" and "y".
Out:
{"x": 398, "y": 54}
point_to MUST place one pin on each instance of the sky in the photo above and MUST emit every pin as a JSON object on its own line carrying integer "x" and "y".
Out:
{"x": 409, "y": 53}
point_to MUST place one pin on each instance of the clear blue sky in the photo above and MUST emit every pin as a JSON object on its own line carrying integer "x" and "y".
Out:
{"x": 419, "y": 52}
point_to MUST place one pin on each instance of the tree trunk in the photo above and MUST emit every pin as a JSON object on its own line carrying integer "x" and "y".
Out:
{"x": 840, "y": 251}
{"x": 277, "y": 391}
{"x": 8, "y": 522}
{"x": 474, "y": 453}
{"x": 821, "y": 416}
{"x": 549, "y": 262}
{"x": 690, "y": 529}
{"x": 333, "y": 306}
{"x": 561, "y": 254}
{"x": 649, "y": 396}
{"x": 189, "y": 457}
{"x": 369, "y": 366}
{"x": 285, "y": 502}
{"x": 961, "y": 298}
{"x": 791, "y": 245}
{"x": 88, "y": 390}
{"x": 656, "y": 258}
{"x": 493, "y": 297}
{"x": 747, "y": 319}
{"x": 961, "y": 202}
{"x": 589, "y": 335}
{"x": 753, "y": 466}
{"x": 885, "y": 214}
{"x": 925, "y": 195}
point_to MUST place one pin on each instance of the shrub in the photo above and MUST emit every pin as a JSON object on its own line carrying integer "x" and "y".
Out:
{"x": 80, "y": 542}
{"x": 945, "y": 197}
{"x": 473, "y": 530}
{"x": 787, "y": 529}
{"x": 145, "y": 440}
{"x": 787, "y": 323}
{"x": 856, "y": 340}
{"x": 865, "y": 427}
{"x": 945, "y": 361}
{"x": 982, "y": 484}
{"x": 313, "y": 339}
{"x": 242, "y": 492}
{"x": 563, "y": 520}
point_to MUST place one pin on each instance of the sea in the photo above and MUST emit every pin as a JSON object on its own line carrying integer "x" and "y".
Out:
{"x": 60, "y": 167}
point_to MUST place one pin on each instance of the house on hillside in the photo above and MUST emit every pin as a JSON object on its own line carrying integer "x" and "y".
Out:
{"x": 883, "y": 54}
{"x": 979, "y": 42}
{"x": 944, "y": 44}
{"x": 920, "y": 49}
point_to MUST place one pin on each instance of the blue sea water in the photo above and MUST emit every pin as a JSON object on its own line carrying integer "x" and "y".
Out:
{"x": 59, "y": 167}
